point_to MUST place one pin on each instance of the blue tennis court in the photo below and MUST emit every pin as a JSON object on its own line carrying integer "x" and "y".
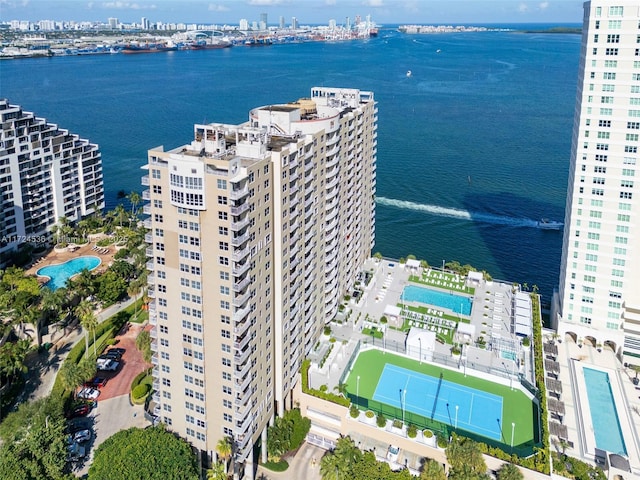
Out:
{"x": 447, "y": 402}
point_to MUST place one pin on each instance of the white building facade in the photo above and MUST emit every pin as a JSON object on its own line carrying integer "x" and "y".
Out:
{"x": 45, "y": 173}
{"x": 599, "y": 294}
{"x": 257, "y": 231}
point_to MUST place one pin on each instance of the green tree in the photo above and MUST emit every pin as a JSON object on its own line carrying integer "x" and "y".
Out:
{"x": 12, "y": 358}
{"x": 224, "y": 449}
{"x": 33, "y": 442}
{"x": 433, "y": 471}
{"x": 71, "y": 375}
{"x": 218, "y": 471}
{"x": 299, "y": 427}
{"x": 134, "y": 199}
{"x": 89, "y": 322}
{"x": 120, "y": 214}
{"x": 150, "y": 453}
{"x": 509, "y": 471}
{"x": 143, "y": 343}
{"x": 338, "y": 464}
{"x": 111, "y": 287}
{"x": 465, "y": 457}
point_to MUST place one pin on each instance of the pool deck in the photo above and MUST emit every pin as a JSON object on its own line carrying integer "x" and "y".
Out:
{"x": 56, "y": 257}
{"x": 577, "y": 418}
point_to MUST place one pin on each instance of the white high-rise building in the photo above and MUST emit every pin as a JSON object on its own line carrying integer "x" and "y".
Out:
{"x": 599, "y": 294}
{"x": 45, "y": 173}
{"x": 256, "y": 232}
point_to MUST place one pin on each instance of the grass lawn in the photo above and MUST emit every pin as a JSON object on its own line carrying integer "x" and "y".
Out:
{"x": 516, "y": 406}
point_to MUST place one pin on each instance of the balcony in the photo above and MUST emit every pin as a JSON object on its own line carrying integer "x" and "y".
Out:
{"x": 152, "y": 306}
{"x": 239, "y": 209}
{"x": 308, "y": 166}
{"x": 145, "y": 180}
{"x": 241, "y": 342}
{"x": 149, "y": 251}
{"x": 150, "y": 266}
{"x": 308, "y": 190}
{"x": 240, "y": 224}
{"x": 245, "y": 423}
{"x": 242, "y": 356}
{"x": 241, "y": 327}
{"x": 146, "y": 194}
{"x": 293, "y": 190}
{"x": 242, "y": 284}
{"x": 151, "y": 293}
{"x": 152, "y": 319}
{"x": 238, "y": 194}
{"x": 146, "y": 209}
{"x": 239, "y": 240}
{"x": 243, "y": 370}
{"x": 243, "y": 410}
{"x": 147, "y": 224}
{"x": 240, "y": 268}
{"x": 238, "y": 255}
{"x": 148, "y": 238}
{"x": 309, "y": 202}
{"x": 239, "y": 301}
{"x": 238, "y": 315}
{"x": 332, "y": 194}
{"x": 154, "y": 359}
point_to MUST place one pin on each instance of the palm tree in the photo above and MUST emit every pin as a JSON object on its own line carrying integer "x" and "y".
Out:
{"x": 133, "y": 290}
{"x": 135, "y": 199}
{"x": 332, "y": 468}
{"x": 224, "y": 449}
{"x": 463, "y": 454}
{"x": 433, "y": 471}
{"x": 120, "y": 213}
{"x": 217, "y": 472}
{"x": 341, "y": 388}
{"x": 71, "y": 375}
{"x": 88, "y": 320}
{"x": 509, "y": 471}
{"x": 12, "y": 356}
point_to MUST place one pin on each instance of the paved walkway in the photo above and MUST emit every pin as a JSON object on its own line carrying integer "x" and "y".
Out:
{"x": 301, "y": 466}
{"x": 44, "y": 367}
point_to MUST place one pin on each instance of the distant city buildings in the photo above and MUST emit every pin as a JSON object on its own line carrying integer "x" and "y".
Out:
{"x": 45, "y": 173}
{"x": 599, "y": 295}
{"x": 256, "y": 233}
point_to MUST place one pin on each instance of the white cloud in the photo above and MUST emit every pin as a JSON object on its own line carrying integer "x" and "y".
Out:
{"x": 218, "y": 8}
{"x": 128, "y": 6}
{"x": 543, "y": 5}
{"x": 373, "y": 3}
{"x": 330, "y": 2}
{"x": 522, "y": 8}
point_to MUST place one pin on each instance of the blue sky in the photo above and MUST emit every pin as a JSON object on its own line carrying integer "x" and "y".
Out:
{"x": 307, "y": 11}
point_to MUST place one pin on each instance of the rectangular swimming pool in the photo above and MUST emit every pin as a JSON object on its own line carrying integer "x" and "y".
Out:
{"x": 455, "y": 303}
{"x": 606, "y": 425}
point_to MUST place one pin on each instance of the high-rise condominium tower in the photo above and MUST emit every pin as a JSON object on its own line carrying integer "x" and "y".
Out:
{"x": 599, "y": 295}
{"x": 257, "y": 231}
{"x": 45, "y": 173}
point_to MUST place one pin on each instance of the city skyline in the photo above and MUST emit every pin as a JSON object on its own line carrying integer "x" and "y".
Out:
{"x": 308, "y": 12}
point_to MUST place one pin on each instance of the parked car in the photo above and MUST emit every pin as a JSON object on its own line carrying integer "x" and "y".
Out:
{"x": 82, "y": 436}
{"x": 107, "y": 364}
{"x": 117, "y": 350}
{"x": 88, "y": 393}
{"x": 96, "y": 382}
{"x": 75, "y": 451}
{"x": 110, "y": 356}
{"x": 79, "y": 411}
{"x": 392, "y": 454}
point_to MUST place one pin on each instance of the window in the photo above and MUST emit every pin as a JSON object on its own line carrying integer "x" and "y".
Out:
{"x": 611, "y": 51}
{"x": 223, "y": 215}
{"x": 222, "y": 200}
{"x": 222, "y": 184}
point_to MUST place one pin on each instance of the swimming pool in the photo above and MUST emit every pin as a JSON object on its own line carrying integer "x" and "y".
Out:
{"x": 456, "y": 303}
{"x": 605, "y": 421}
{"x": 58, "y": 274}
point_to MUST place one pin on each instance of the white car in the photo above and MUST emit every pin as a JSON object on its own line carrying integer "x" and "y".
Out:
{"x": 82, "y": 436}
{"x": 392, "y": 454}
{"x": 88, "y": 393}
{"x": 107, "y": 364}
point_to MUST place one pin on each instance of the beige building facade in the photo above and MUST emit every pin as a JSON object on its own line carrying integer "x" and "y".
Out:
{"x": 256, "y": 232}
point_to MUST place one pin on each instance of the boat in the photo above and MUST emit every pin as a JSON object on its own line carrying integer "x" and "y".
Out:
{"x": 546, "y": 224}
{"x": 258, "y": 42}
{"x": 409, "y": 73}
{"x": 209, "y": 44}
{"x": 148, "y": 48}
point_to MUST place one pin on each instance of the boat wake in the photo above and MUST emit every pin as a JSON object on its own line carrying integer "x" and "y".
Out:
{"x": 458, "y": 213}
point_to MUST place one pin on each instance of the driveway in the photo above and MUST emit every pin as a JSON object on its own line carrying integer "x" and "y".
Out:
{"x": 131, "y": 364}
{"x": 305, "y": 465}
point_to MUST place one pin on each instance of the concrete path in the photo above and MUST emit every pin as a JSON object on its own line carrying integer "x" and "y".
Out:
{"x": 301, "y": 466}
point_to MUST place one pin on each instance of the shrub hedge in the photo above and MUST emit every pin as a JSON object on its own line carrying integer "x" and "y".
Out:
{"x": 328, "y": 396}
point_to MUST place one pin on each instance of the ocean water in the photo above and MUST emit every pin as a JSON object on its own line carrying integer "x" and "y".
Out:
{"x": 473, "y": 147}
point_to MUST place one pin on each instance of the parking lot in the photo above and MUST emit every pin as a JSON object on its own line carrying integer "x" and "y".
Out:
{"x": 131, "y": 364}
{"x": 113, "y": 411}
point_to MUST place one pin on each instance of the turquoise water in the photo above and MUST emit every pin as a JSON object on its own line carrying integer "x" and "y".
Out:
{"x": 509, "y": 355}
{"x": 456, "y": 160}
{"x": 605, "y": 421}
{"x": 58, "y": 274}
{"x": 458, "y": 304}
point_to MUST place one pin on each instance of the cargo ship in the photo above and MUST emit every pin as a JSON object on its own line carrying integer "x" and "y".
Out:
{"x": 208, "y": 44}
{"x": 148, "y": 48}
